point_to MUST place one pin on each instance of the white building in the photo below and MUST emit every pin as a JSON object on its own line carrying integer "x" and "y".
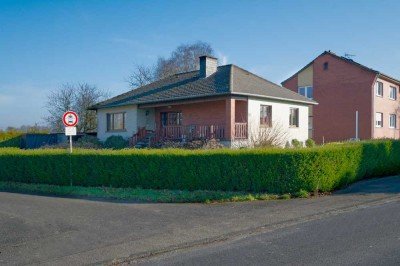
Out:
{"x": 225, "y": 102}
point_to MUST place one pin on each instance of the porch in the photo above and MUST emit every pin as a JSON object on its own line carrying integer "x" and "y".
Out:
{"x": 223, "y": 118}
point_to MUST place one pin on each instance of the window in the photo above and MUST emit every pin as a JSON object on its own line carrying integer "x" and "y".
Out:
{"x": 306, "y": 91}
{"x": 392, "y": 121}
{"x": 393, "y": 93}
{"x": 326, "y": 65}
{"x": 294, "y": 117}
{"x": 116, "y": 121}
{"x": 266, "y": 115}
{"x": 379, "y": 88}
{"x": 378, "y": 120}
{"x": 171, "y": 118}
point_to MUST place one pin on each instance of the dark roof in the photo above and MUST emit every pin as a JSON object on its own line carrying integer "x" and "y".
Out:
{"x": 350, "y": 61}
{"x": 227, "y": 80}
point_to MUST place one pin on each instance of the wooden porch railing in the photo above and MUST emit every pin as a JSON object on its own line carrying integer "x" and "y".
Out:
{"x": 188, "y": 133}
{"x": 240, "y": 130}
{"x": 200, "y": 132}
{"x": 192, "y": 132}
{"x": 141, "y": 133}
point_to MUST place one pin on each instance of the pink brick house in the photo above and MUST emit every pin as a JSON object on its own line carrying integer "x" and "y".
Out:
{"x": 342, "y": 87}
{"x": 223, "y": 102}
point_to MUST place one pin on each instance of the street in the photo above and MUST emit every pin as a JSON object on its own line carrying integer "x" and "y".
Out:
{"x": 358, "y": 225}
{"x": 369, "y": 236}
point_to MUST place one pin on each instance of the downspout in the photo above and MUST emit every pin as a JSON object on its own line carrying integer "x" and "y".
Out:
{"x": 373, "y": 107}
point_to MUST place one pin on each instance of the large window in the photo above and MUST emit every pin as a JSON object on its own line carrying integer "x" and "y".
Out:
{"x": 393, "y": 93}
{"x": 266, "y": 115}
{"x": 378, "y": 120}
{"x": 379, "y": 88}
{"x": 116, "y": 121}
{"x": 392, "y": 121}
{"x": 294, "y": 117}
{"x": 171, "y": 119}
{"x": 306, "y": 91}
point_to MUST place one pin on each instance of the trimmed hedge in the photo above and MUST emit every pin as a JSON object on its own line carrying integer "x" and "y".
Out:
{"x": 273, "y": 170}
{"x": 10, "y": 139}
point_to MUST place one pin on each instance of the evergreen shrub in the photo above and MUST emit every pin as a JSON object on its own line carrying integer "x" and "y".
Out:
{"x": 259, "y": 170}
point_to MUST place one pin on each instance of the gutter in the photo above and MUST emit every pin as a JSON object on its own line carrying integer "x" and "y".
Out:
{"x": 310, "y": 102}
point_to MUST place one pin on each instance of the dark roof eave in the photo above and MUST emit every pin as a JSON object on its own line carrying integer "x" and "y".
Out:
{"x": 165, "y": 100}
{"x": 308, "y": 102}
{"x": 389, "y": 78}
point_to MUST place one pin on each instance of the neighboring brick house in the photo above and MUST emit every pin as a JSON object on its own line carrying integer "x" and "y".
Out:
{"x": 341, "y": 87}
{"x": 223, "y": 102}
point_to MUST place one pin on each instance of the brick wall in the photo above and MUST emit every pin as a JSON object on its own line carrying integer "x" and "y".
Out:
{"x": 340, "y": 90}
{"x": 205, "y": 113}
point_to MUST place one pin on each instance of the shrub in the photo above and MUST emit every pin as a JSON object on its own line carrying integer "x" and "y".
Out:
{"x": 10, "y": 139}
{"x": 89, "y": 142}
{"x": 266, "y": 137}
{"x": 115, "y": 143}
{"x": 302, "y": 194}
{"x": 310, "y": 143}
{"x": 268, "y": 170}
{"x": 296, "y": 143}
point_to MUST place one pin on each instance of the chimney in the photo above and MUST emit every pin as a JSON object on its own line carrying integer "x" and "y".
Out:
{"x": 208, "y": 66}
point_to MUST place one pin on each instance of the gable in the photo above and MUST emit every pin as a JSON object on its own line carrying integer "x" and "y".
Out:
{"x": 305, "y": 77}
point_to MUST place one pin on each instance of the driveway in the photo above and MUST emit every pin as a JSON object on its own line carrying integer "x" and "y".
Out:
{"x": 65, "y": 231}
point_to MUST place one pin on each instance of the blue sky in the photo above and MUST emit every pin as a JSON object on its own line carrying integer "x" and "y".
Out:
{"x": 44, "y": 44}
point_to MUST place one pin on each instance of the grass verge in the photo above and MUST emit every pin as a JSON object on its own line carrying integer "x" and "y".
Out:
{"x": 145, "y": 195}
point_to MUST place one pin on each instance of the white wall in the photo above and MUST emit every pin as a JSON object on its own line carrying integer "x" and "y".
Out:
{"x": 280, "y": 116}
{"x": 130, "y": 123}
{"x": 148, "y": 121}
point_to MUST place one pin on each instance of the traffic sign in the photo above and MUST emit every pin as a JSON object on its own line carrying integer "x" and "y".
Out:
{"x": 70, "y": 119}
{"x": 70, "y": 131}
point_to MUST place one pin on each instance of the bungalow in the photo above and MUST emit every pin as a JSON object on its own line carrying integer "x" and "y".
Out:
{"x": 222, "y": 102}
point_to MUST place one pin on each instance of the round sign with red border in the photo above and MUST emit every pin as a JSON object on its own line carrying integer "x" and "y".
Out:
{"x": 70, "y": 119}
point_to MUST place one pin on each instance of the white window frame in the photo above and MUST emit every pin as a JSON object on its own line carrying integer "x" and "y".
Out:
{"x": 266, "y": 113}
{"x": 392, "y": 122}
{"x": 306, "y": 89}
{"x": 379, "y": 89}
{"x": 393, "y": 93}
{"x": 294, "y": 117}
{"x": 113, "y": 119}
{"x": 378, "y": 119}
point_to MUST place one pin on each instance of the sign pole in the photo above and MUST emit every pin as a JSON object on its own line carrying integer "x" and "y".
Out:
{"x": 70, "y": 119}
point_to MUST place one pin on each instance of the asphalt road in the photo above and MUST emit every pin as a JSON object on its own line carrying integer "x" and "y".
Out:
{"x": 369, "y": 236}
{"x": 64, "y": 231}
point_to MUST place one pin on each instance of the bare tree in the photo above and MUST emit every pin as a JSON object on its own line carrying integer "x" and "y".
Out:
{"x": 142, "y": 75}
{"x": 183, "y": 59}
{"x": 58, "y": 102}
{"x": 77, "y": 98}
{"x": 85, "y": 96}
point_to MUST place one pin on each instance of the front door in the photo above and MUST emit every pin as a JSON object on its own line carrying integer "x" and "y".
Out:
{"x": 171, "y": 125}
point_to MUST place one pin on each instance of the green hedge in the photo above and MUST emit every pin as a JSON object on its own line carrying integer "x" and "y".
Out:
{"x": 10, "y": 139}
{"x": 272, "y": 171}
